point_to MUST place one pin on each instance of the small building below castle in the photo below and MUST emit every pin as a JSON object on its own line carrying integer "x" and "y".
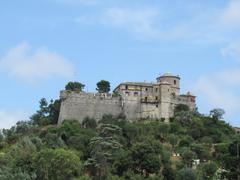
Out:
{"x": 136, "y": 100}
{"x": 237, "y": 130}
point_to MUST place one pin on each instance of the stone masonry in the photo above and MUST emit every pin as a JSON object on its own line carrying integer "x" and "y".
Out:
{"x": 136, "y": 100}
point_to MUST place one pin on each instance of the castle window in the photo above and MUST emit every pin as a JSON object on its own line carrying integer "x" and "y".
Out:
{"x": 156, "y": 98}
{"x": 135, "y": 93}
{"x": 156, "y": 89}
{"x": 175, "y": 82}
{"x": 157, "y": 106}
{"x": 146, "y": 89}
{"x": 146, "y": 99}
{"x": 126, "y": 87}
{"x": 127, "y": 93}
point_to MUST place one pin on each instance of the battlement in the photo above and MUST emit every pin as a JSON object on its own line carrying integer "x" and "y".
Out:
{"x": 78, "y": 94}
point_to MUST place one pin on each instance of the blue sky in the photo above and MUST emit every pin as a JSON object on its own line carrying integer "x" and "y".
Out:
{"x": 45, "y": 44}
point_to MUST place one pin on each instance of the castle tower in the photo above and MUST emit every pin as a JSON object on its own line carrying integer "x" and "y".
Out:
{"x": 165, "y": 103}
{"x": 174, "y": 82}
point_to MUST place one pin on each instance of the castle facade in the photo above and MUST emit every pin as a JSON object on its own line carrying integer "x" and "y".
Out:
{"x": 136, "y": 100}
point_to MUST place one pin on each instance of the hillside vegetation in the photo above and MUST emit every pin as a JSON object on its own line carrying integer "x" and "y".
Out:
{"x": 191, "y": 146}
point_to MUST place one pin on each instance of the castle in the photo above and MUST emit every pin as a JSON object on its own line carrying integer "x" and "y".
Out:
{"x": 136, "y": 100}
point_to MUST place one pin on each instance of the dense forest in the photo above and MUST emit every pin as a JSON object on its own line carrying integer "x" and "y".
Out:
{"x": 191, "y": 146}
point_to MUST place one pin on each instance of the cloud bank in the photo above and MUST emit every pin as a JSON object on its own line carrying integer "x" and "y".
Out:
{"x": 24, "y": 63}
{"x": 231, "y": 14}
{"x": 232, "y": 51}
{"x": 221, "y": 88}
{"x": 139, "y": 21}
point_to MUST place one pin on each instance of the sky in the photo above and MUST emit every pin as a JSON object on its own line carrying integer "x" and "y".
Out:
{"x": 45, "y": 44}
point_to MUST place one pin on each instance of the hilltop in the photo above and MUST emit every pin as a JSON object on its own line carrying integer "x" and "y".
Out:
{"x": 191, "y": 146}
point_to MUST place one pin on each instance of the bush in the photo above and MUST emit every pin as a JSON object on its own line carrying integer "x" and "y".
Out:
{"x": 58, "y": 164}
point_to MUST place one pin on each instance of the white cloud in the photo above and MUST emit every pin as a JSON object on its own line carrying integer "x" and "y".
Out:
{"x": 231, "y": 14}
{"x": 139, "y": 21}
{"x": 32, "y": 65}
{"x": 230, "y": 77}
{"x": 9, "y": 118}
{"x": 159, "y": 23}
{"x": 232, "y": 50}
{"x": 220, "y": 90}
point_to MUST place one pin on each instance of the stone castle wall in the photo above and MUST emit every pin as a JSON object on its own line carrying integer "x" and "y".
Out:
{"x": 78, "y": 105}
{"x": 136, "y": 101}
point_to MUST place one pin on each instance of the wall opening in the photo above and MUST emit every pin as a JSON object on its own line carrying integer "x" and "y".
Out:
{"x": 146, "y": 99}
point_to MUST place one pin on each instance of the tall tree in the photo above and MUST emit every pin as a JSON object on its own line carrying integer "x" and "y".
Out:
{"x": 54, "y": 110}
{"x": 103, "y": 86}
{"x": 102, "y": 148}
{"x": 232, "y": 160}
{"x": 40, "y": 117}
{"x": 147, "y": 156}
{"x": 74, "y": 86}
{"x": 217, "y": 114}
{"x": 58, "y": 164}
{"x": 47, "y": 113}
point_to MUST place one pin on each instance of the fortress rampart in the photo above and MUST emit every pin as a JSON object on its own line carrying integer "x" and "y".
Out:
{"x": 136, "y": 100}
{"x": 78, "y": 105}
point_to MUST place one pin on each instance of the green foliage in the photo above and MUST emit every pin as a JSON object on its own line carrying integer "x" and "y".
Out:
{"x": 54, "y": 110}
{"x": 232, "y": 159}
{"x": 15, "y": 174}
{"x": 181, "y": 107}
{"x": 74, "y": 86}
{"x": 173, "y": 140}
{"x": 147, "y": 156}
{"x": 122, "y": 162}
{"x": 103, "y": 86}
{"x": 202, "y": 151}
{"x": 89, "y": 123}
{"x": 184, "y": 118}
{"x": 217, "y": 114}
{"x": 102, "y": 148}
{"x": 186, "y": 141}
{"x": 47, "y": 113}
{"x": 208, "y": 170}
{"x": 57, "y": 164}
{"x": 114, "y": 148}
{"x": 186, "y": 174}
{"x": 188, "y": 156}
